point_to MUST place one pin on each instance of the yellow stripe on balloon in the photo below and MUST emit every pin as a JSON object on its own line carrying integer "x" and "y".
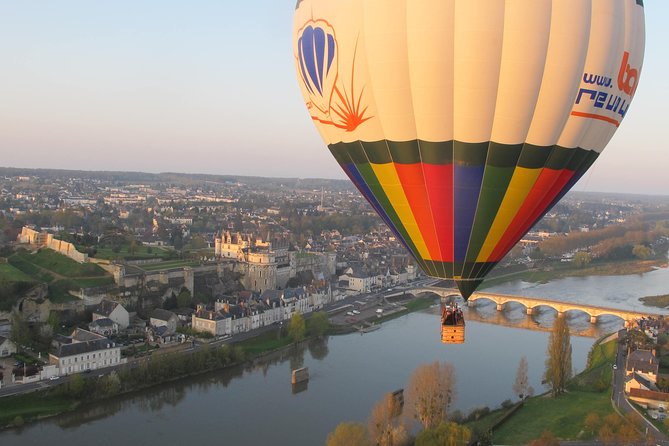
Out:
{"x": 521, "y": 184}
{"x": 390, "y": 182}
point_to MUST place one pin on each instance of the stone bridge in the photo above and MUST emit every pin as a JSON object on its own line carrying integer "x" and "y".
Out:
{"x": 533, "y": 303}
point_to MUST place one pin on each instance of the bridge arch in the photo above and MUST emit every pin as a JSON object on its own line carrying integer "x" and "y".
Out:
{"x": 532, "y": 304}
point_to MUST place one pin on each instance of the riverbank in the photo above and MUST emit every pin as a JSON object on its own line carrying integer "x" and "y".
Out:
{"x": 16, "y": 411}
{"x": 564, "y": 416}
{"x": 559, "y": 270}
{"x": 656, "y": 301}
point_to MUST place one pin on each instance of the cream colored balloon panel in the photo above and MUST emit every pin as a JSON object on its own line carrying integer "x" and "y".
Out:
{"x": 570, "y": 28}
{"x": 522, "y": 67}
{"x": 430, "y": 40}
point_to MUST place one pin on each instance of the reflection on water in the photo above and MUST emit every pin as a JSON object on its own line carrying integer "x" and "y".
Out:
{"x": 514, "y": 315}
{"x": 256, "y": 404}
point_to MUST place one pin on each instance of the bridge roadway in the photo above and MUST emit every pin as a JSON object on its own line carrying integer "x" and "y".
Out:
{"x": 533, "y": 303}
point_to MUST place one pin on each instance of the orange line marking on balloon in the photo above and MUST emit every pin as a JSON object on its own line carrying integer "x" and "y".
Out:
{"x": 594, "y": 116}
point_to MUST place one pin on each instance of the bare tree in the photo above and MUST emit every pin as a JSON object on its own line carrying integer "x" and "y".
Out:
{"x": 606, "y": 435}
{"x": 430, "y": 393}
{"x": 384, "y": 426}
{"x": 558, "y": 363}
{"x": 627, "y": 434}
{"x": 547, "y": 439}
{"x": 592, "y": 422}
{"x": 348, "y": 434}
{"x": 521, "y": 386}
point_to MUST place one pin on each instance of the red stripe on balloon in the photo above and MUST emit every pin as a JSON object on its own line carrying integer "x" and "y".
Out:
{"x": 413, "y": 183}
{"x": 439, "y": 180}
{"x": 547, "y": 187}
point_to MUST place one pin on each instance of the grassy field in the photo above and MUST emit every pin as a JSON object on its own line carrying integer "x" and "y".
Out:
{"x": 264, "y": 343}
{"x": 168, "y": 265}
{"x": 50, "y": 267}
{"x": 92, "y": 282}
{"x": 13, "y": 274}
{"x": 565, "y": 415}
{"x": 61, "y": 264}
{"x": 146, "y": 252}
{"x": 31, "y": 405}
{"x": 20, "y": 263}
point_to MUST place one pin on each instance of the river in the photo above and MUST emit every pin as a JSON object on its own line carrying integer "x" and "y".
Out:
{"x": 606, "y": 291}
{"x": 256, "y": 404}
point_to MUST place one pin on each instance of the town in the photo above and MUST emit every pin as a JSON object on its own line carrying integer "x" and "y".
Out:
{"x": 100, "y": 270}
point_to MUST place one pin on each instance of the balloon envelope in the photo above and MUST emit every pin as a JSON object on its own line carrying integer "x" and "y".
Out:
{"x": 463, "y": 122}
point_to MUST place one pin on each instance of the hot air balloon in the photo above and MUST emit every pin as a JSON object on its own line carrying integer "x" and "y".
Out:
{"x": 463, "y": 122}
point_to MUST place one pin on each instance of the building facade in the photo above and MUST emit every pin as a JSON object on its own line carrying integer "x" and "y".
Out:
{"x": 85, "y": 351}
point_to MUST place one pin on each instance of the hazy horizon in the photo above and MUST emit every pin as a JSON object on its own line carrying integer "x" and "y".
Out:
{"x": 208, "y": 87}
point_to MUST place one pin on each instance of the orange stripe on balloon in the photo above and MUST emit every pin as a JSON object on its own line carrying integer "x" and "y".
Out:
{"x": 594, "y": 116}
{"x": 413, "y": 183}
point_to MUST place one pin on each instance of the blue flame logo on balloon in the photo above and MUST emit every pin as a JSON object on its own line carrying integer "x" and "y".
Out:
{"x": 318, "y": 65}
{"x": 317, "y": 56}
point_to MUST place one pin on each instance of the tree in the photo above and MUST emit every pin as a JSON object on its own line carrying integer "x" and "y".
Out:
{"x": 627, "y": 434}
{"x": 521, "y": 386}
{"x": 133, "y": 247}
{"x": 319, "y": 323}
{"x": 296, "y": 327}
{"x": 582, "y": 259}
{"x": 592, "y": 422}
{"x": 558, "y": 363}
{"x": 348, "y": 434}
{"x": 430, "y": 393}
{"x": 109, "y": 385}
{"x": 547, "y": 439}
{"x": 171, "y": 302}
{"x": 606, "y": 434}
{"x": 641, "y": 252}
{"x": 446, "y": 434}
{"x": 384, "y": 428}
{"x": 20, "y": 331}
{"x": 76, "y": 385}
{"x": 184, "y": 299}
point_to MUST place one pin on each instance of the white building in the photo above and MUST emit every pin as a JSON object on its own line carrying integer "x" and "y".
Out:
{"x": 164, "y": 318}
{"x": 356, "y": 280}
{"x": 114, "y": 311}
{"x": 85, "y": 351}
{"x": 7, "y": 347}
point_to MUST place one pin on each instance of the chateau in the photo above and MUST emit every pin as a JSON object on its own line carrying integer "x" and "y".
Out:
{"x": 268, "y": 265}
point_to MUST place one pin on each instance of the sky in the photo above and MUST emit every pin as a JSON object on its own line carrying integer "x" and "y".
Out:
{"x": 209, "y": 86}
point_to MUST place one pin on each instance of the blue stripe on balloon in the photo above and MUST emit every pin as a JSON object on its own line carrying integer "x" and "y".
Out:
{"x": 319, "y": 43}
{"x": 331, "y": 50}
{"x": 302, "y": 68}
{"x": 467, "y": 182}
{"x": 308, "y": 52}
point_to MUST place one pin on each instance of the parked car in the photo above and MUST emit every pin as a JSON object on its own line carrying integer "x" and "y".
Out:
{"x": 54, "y": 378}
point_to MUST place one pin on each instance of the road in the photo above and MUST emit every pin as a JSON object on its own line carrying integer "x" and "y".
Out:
{"x": 621, "y": 402}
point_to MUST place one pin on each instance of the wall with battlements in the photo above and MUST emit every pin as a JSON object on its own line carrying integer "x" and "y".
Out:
{"x": 46, "y": 240}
